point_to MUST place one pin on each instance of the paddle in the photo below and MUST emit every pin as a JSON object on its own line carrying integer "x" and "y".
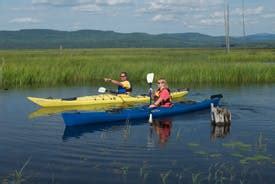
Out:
{"x": 104, "y": 90}
{"x": 150, "y": 78}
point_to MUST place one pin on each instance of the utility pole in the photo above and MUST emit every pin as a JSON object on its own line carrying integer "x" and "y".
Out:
{"x": 244, "y": 33}
{"x": 226, "y": 25}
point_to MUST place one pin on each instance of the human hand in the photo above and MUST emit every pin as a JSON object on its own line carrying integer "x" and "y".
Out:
{"x": 152, "y": 106}
{"x": 107, "y": 79}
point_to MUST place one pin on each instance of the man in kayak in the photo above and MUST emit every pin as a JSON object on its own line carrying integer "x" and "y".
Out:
{"x": 162, "y": 96}
{"x": 124, "y": 86}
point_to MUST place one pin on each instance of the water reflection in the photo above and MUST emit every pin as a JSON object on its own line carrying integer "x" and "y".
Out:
{"x": 48, "y": 111}
{"x": 162, "y": 129}
{"x": 78, "y": 131}
{"x": 219, "y": 131}
{"x": 158, "y": 135}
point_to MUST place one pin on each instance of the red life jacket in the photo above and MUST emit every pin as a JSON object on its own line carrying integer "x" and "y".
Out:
{"x": 167, "y": 102}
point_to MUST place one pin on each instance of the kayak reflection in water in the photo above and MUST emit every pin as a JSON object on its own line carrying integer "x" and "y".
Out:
{"x": 162, "y": 96}
{"x": 219, "y": 131}
{"x": 124, "y": 86}
{"x": 162, "y": 128}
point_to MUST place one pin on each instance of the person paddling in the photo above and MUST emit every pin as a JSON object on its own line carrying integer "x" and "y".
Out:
{"x": 162, "y": 96}
{"x": 124, "y": 86}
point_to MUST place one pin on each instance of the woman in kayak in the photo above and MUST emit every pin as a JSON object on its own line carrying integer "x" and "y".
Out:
{"x": 162, "y": 96}
{"x": 124, "y": 86}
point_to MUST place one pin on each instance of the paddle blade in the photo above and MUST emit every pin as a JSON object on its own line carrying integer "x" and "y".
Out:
{"x": 150, "y": 118}
{"x": 150, "y": 77}
{"x": 102, "y": 90}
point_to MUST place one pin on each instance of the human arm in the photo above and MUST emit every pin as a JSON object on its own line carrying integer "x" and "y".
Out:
{"x": 113, "y": 81}
{"x": 156, "y": 103}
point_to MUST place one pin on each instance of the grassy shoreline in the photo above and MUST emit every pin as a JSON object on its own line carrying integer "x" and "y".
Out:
{"x": 19, "y": 68}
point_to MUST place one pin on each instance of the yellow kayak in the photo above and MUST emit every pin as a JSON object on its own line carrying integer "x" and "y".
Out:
{"x": 99, "y": 100}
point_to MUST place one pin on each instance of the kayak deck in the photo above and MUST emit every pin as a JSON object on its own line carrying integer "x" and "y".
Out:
{"x": 98, "y": 100}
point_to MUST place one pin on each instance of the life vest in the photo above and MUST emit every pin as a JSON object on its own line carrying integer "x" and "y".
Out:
{"x": 123, "y": 90}
{"x": 163, "y": 102}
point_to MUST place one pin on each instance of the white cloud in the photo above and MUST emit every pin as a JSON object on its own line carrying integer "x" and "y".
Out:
{"x": 24, "y": 20}
{"x": 211, "y": 22}
{"x": 81, "y": 2}
{"x": 217, "y": 14}
{"x": 188, "y": 3}
{"x": 249, "y": 11}
{"x": 112, "y": 2}
{"x": 92, "y": 8}
{"x": 178, "y": 7}
{"x": 163, "y": 18}
{"x": 55, "y": 2}
{"x": 268, "y": 15}
{"x": 30, "y": 8}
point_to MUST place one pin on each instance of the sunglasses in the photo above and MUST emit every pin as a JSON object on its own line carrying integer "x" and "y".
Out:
{"x": 160, "y": 82}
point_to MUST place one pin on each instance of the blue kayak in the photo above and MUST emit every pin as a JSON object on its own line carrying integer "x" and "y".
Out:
{"x": 82, "y": 118}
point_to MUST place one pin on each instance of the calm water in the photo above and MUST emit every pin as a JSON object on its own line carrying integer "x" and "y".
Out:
{"x": 179, "y": 149}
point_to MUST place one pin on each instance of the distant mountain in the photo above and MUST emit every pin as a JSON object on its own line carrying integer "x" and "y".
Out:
{"x": 44, "y": 38}
{"x": 261, "y": 37}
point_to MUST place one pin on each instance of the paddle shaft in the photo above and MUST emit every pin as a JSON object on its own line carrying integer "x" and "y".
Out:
{"x": 150, "y": 92}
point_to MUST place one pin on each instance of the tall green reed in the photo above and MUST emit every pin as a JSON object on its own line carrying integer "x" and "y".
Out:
{"x": 82, "y": 66}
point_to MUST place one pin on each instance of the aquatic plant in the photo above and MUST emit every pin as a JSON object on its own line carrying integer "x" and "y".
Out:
{"x": 215, "y": 155}
{"x": 180, "y": 176}
{"x": 258, "y": 158}
{"x": 202, "y": 153}
{"x": 238, "y": 145}
{"x": 196, "y": 178}
{"x": 193, "y": 145}
{"x": 220, "y": 172}
{"x": 238, "y": 155}
{"x": 17, "y": 177}
{"x": 164, "y": 176}
{"x": 124, "y": 170}
{"x": 143, "y": 173}
{"x": 127, "y": 130}
{"x": 178, "y": 134}
{"x": 260, "y": 146}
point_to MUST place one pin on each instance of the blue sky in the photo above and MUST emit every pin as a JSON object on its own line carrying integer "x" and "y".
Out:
{"x": 150, "y": 16}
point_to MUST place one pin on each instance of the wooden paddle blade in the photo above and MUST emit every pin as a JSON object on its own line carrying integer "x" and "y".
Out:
{"x": 102, "y": 90}
{"x": 150, "y": 77}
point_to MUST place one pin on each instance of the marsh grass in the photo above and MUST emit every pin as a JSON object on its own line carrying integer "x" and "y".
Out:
{"x": 82, "y": 66}
{"x": 17, "y": 177}
{"x": 164, "y": 176}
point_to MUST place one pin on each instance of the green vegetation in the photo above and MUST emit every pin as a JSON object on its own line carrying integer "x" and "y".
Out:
{"x": 81, "y": 66}
{"x": 238, "y": 145}
{"x": 256, "y": 158}
{"x": 17, "y": 177}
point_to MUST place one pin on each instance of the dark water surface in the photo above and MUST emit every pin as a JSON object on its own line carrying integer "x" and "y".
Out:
{"x": 178, "y": 149}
